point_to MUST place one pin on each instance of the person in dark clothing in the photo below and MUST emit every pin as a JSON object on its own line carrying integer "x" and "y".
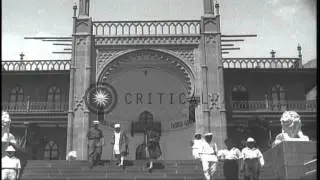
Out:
{"x": 230, "y": 158}
{"x": 95, "y": 143}
{"x": 153, "y": 147}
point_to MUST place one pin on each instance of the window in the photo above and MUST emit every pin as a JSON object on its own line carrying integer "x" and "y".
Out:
{"x": 16, "y": 98}
{"x": 51, "y": 151}
{"x": 146, "y": 117}
{"x": 278, "y": 97}
{"x": 54, "y": 98}
{"x": 240, "y": 97}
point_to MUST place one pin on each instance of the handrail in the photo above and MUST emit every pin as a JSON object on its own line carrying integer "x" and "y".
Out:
{"x": 146, "y": 28}
{"x": 35, "y": 65}
{"x": 35, "y": 106}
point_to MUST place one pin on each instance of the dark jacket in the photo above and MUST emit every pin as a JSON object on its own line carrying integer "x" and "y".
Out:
{"x": 153, "y": 145}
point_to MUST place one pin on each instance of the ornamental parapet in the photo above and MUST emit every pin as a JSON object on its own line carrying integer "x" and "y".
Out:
{"x": 146, "y": 28}
{"x": 267, "y": 63}
{"x": 35, "y": 65}
{"x": 35, "y": 105}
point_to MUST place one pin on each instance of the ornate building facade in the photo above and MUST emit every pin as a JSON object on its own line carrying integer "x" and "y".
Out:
{"x": 169, "y": 75}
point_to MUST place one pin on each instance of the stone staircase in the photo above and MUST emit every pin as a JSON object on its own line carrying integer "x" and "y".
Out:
{"x": 134, "y": 170}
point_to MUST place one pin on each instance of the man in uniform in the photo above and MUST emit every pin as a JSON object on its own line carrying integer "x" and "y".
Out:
{"x": 10, "y": 165}
{"x": 252, "y": 161}
{"x": 95, "y": 143}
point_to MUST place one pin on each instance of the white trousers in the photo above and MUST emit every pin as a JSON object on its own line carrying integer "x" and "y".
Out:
{"x": 209, "y": 165}
{"x": 8, "y": 174}
{"x": 196, "y": 153}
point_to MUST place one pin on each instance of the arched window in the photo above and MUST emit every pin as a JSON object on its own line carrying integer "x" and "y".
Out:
{"x": 54, "y": 98}
{"x": 278, "y": 97}
{"x": 51, "y": 151}
{"x": 146, "y": 117}
{"x": 16, "y": 98}
{"x": 240, "y": 97}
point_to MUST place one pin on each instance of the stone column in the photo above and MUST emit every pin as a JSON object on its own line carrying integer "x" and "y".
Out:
{"x": 212, "y": 101}
{"x": 83, "y": 63}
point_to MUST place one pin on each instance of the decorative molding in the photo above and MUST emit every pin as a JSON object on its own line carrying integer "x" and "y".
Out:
{"x": 210, "y": 39}
{"x": 186, "y": 54}
{"x": 81, "y": 40}
{"x": 148, "y": 40}
{"x": 103, "y": 55}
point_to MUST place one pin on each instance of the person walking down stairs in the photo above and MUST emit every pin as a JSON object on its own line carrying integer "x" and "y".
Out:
{"x": 230, "y": 158}
{"x": 196, "y": 145}
{"x": 120, "y": 144}
{"x": 153, "y": 147}
{"x": 209, "y": 156}
{"x": 252, "y": 161}
{"x": 10, "y": 165}
{"x": 95, "y": 143}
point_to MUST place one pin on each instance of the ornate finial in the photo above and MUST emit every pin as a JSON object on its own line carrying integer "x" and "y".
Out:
{"x": 299, "y": 51}
{"x": 208, "y": 6}
{"x": 273, "y": 53}
{"x": 21, "y": 56}
{"x": 75, "y": 9}
{"x": 217, "y": 8}
{"x": 84, "y": 8}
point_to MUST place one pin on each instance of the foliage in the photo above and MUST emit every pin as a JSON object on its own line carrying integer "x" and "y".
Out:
{"x": 21, "y": 143}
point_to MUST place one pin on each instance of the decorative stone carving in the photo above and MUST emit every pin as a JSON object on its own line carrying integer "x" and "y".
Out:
{"x": 79, "y": 103}
{"x": 291, "y": 128}
{"x": 186, "y": 54}
{"x": 210, "y": 39}
{"x": 145, "y": 40}
{"x": 81, "y": 40}
{"x": 215, "y": 101}
{"x": 105, "y": 54}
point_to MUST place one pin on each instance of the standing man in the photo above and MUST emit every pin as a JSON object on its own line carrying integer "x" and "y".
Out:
{"x": 209, "y": 156}
{"x": 95, "y": 143}
{"x": 120, "y": 144}
{"x": 196, "y": 144}
{"x": 10, "y": 165}
{"x": 252, "y": 161}
{"x": 230, "y": 158}
{"x": 153, "y": 147}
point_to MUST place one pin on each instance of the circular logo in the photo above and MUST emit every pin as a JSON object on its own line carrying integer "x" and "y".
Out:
{"x": 101, "y": 98}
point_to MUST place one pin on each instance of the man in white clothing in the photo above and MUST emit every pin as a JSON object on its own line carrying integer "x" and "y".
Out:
{"x": 209, "y": 156}
{"x": 120, "y": 144}
{"x": 196, "y": 144}
{"x": 10, "y": 165}
{"x": 252, "y": 161}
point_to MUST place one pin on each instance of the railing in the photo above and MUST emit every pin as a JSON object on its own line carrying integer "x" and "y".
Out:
{"x": 260, "y": 62}
{"x": 144, "y": 28}
{"x": 36, "y": 65}
{"x": 34, "y": 106}
{"x": 262, "y": 105}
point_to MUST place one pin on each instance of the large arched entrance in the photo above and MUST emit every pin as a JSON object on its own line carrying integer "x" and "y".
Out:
{"x": 157, "y": 83}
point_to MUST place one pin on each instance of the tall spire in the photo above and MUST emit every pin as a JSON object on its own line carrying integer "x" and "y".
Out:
{"x": 84, "y": 6}
{"x": 208, "y": 6}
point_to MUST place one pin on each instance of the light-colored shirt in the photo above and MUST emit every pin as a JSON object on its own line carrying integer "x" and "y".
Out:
{"x": 248, "y": 153}
{"x": 208, "y": 148}
{"x": 116, "y": 146}
{"x": 233, "y": 153}
{"x": 197, "y": 144}
{"x": 8, "y": 137}
{"x": 10, "y": 162}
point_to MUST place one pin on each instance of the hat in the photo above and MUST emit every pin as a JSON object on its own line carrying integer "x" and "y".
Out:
{"x": 10, "y": 149}
{"x": 250, "y": 139}
{"x": 117, "y": 126}
{"x": 208, "y": 134}
{"x": 96, "y": 122}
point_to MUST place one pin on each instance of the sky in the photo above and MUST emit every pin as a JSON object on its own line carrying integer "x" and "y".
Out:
{"x": 279, "y": 24}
